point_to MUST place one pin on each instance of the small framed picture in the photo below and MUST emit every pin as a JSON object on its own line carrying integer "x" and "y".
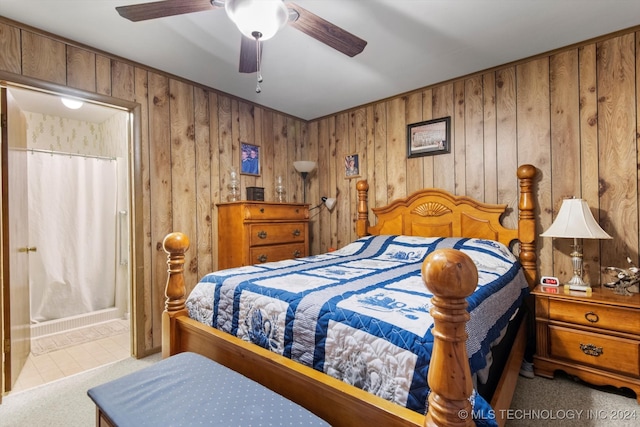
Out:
{"x": 429, "y": 138}
{"x": 249, "y": 159}
{"x": 352, "y": 166}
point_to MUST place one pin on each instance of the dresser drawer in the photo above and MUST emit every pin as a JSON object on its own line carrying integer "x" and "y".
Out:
{"x": 269, "y": 234}
{"x": 275, "y": 212}
{"x": 595, "y": 315}
{"x": 600, "y": 351}
{"x": 262, "y": 254}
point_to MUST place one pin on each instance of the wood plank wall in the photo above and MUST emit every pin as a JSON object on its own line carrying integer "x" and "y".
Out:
{"x": 572, "y": 113}
{"x": 190, "y": 137}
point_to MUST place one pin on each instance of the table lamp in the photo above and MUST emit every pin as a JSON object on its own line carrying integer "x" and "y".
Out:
{"x": 575, "y": 221}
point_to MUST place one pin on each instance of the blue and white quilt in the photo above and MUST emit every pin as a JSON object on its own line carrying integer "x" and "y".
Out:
{"x": 361, "y": 314}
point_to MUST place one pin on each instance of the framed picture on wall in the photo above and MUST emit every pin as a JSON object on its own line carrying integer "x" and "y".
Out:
{"x": 249, "y": 159}
{"x": 352, "y": 166}
{"x": 429, "y": 138}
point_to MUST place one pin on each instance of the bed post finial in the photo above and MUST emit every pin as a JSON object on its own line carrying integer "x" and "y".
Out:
{"x": 362, "y": 222}
{"x": 527, "y": 223}
{"x": 175, "y": 245}
{"x": 450, "y": 276}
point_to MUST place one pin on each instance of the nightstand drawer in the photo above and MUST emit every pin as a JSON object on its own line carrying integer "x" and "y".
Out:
{"x": 617, "y": 354}
{"x": 268, "y": 234}
{"x": 275, "y": 212}
{"x": 595, "y": 315}
{"x": 262, "y": 254}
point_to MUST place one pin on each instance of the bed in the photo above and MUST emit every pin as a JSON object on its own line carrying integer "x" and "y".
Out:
{"x": 446, "y": 227}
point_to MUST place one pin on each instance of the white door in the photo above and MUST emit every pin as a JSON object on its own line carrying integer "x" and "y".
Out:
{"x": 15, "y": 238}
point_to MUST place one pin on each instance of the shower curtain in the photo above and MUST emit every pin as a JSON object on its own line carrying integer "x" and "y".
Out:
{"x": 72, "y": 222}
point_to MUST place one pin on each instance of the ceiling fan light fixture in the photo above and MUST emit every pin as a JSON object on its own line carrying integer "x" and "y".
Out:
{"x": 257, "y": 16}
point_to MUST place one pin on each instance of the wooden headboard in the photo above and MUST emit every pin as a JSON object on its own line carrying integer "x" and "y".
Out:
{"x": 434, "y": 212}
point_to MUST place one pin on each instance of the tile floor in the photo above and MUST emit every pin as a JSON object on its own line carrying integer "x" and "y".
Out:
{"x": 57, "y": 364}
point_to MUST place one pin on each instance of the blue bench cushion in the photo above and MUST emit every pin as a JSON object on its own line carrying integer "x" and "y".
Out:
{"x": 189, "y": 390}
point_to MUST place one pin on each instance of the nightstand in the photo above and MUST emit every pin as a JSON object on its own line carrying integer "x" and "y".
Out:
{"x": 253, "y": 232}
{"x": 596, "y": 337}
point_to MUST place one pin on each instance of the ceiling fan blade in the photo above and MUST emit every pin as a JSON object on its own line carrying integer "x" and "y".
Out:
{"x": 160, "y": 9}
{"x": 326, "y": 32}
{"x": 248, "y": 55}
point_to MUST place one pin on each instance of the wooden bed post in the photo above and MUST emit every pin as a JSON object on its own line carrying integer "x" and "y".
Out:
{"x": 451, "y": 276}
{"x": 527, "y": 223}
{"x": 362, "y": 222}
{"x": 175, "y": 245}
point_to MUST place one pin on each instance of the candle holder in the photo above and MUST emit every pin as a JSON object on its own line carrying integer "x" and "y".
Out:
{"x": 233, "y": 187}
{"x": 281, "y": 193}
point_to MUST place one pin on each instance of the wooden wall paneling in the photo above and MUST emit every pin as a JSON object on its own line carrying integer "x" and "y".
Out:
{"x": 265, "y": 179}
{"x": 292, "y": 177}
{"x": 345, "y": 210}
{"x": 322, "y": 175}
{"x": 204, "y": 202}
{"x": 11, "y": 58}
{"x": 534, "y": 144}
{"x": 183, "y": 171}
{"x": 276, "y": 165}
{"x": 396, "y": 148}
{"x": 427, "y": 161}
{"x": 588, "y": 128}
{"x": 43, "y": 58}
{"x": 506, "y": 140}
{"x": 319, "y": 131}
{"x": 565, "y": 144}
{"x": 297, "y": 149}
{"x": 335, "y": 169}
{"x": 245, "y": 133}
{"x": 378, "y": 186}
{"x": 636, "y": 260}
{"x": 217, "y": 191}
{"x": 226, "y": 154}
{"x": 81, "y": 69}
{"x": 415, "y": 165}
{"x": 473, "y": 138}
{"x": 142, "y": 296}
{"x": 103, "y": 75}
{"x": 490, "y": 154}
{"x": 457, "y": 182}
{"x": 160, "y": 177}
{"x": 234, "y": 132}
{"x": 443, "y": 164}
{"x": 359, "y": 146}
{"x": 122, "y": 78}
{"x": 617, "y": 147}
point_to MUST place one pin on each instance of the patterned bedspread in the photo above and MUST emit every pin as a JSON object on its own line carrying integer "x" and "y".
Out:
{"x": 360, "y": 314}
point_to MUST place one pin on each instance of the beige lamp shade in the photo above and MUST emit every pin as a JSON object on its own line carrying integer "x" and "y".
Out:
{"x": 575, "y": 221}
{"x": 304, "y": 166}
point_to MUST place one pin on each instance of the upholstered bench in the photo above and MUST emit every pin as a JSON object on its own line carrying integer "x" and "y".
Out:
{"x": 190, "y": 390}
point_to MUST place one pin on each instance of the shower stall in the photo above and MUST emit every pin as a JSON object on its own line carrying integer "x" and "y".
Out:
{"x": 78, "y": 222}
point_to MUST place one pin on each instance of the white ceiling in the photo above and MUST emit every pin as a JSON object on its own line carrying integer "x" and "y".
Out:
{"x": 411, "y": 43}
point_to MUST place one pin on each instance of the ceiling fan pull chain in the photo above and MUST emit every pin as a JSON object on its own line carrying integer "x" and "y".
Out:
{"x": 257, "y": 35}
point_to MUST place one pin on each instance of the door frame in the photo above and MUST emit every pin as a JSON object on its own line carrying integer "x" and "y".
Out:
{"x": 136, "y": 266}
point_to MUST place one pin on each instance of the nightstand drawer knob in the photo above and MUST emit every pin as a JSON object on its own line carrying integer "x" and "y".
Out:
{"x": 592, "y": 317}
{"x": 262, "y": 234}
{"x": 262, "y": 258}
{"x": 591, "y": 350}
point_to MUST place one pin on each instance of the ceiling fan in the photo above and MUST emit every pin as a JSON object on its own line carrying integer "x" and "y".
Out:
{"x": 258, "y": 20}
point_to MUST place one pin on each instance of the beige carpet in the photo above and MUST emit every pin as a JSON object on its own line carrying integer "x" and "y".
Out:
{"x": 62, "y": 340}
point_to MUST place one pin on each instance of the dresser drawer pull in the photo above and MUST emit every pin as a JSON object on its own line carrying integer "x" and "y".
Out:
{"x": 296, "y": 232}
{"x": 591, "y": 350}
{"x": 261, "y": 210}
{"x": 262, "y": 234}
{"x": 592, "y": 317}
{"x": 262, "y": 258}
{"x": 297, "y": 254}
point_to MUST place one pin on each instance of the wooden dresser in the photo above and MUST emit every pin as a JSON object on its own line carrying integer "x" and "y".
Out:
{"x": 596, "y": 338}
{"x": 251, "y": 232}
